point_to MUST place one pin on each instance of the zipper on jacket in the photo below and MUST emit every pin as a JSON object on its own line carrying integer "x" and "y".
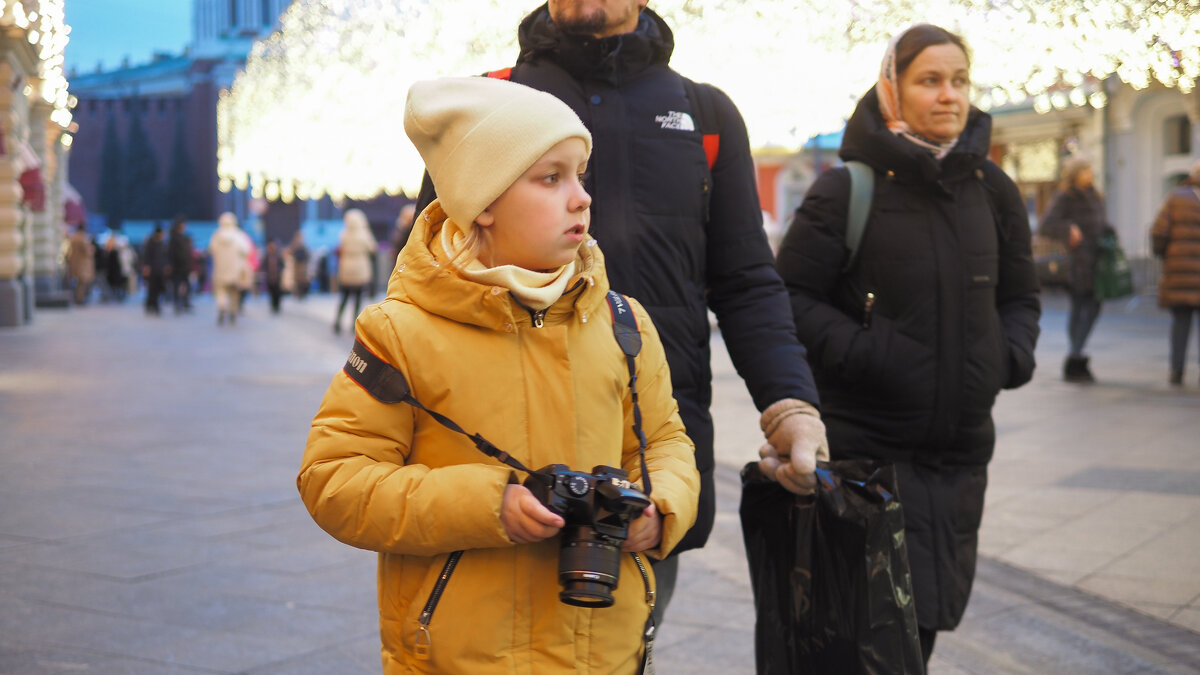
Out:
{"x": 705, "y": 197}
{"x": 537, "y": 317}
{"x": 647, "y": 667}
{"x": 424, "y": 641}
{"x": 868, "y": 305}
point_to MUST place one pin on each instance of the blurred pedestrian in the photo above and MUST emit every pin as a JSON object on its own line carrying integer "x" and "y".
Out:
{"x": 101, "y": 268}
{"x": 200, "y": 265}
{"x": 404, "y": 223}
{"x": 1176, "y": 239}
{"x": 179, "y": 259}
{"x": 249, "y": 272}
{"x": 272, "y": 274}
{"x": 300, "y": 261}
{"x": 229, "y": 253}
{"x": 117, "y": 267}
{"x": 913, "y": 336}
{"x": 154, "y": 269}
{"x": 1076, "y": 218}
{"x": 81, "y": 264}
{"x": 355, "y": 248}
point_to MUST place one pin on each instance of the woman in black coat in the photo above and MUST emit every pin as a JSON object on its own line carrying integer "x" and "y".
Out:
{"x": 937, "y": 313}
{"x": 1076, "y": 218}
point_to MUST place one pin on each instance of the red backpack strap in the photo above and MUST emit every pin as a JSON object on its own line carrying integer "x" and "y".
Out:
{"x": 707, "y": 119}
{"x": 712, "y": 145}
{"x": 502, "y": 74}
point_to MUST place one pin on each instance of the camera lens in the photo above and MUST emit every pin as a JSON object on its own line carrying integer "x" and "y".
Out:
{"x": 588, "y": 569}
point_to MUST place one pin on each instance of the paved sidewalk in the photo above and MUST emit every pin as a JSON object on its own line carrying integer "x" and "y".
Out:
{"x": 149, "y": 521}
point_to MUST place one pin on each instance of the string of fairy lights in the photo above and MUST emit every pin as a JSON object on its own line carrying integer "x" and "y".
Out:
{"x": 43, "y": 24}
{"x": 318, "y": 109}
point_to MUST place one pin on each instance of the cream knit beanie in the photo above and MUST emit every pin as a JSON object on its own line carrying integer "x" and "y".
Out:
{"x": 477, "y": 136}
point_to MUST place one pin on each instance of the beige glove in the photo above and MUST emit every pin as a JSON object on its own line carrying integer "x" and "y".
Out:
{"x": 795, "y": 443}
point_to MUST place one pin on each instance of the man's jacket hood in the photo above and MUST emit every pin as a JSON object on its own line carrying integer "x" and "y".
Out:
{"x": 607, "y": 59}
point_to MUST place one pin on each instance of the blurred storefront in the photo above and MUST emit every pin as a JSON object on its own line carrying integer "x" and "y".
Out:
{"x": 35, "y": 126}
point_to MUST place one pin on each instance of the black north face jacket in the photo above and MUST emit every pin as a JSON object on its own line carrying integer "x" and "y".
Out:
{"x": 679, "y": 237}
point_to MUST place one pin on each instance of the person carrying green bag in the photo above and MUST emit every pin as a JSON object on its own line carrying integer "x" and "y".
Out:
{"x": 1076, "y": 217}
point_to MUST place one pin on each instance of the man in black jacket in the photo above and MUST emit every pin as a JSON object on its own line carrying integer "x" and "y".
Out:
{"x": 154, "y": 268}
{"x": 179, "y": 259}
{"x": 681, "y": 233}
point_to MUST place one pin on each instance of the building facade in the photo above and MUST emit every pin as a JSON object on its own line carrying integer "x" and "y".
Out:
{"x": 172, "y": 102}
{"x": 34, "y": 121}
{"x": 1141, "y": 144}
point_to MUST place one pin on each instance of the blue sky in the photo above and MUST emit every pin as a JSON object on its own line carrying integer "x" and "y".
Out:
{"x": 109, "y": 30}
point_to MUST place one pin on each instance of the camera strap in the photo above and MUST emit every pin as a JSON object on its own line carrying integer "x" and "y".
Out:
{"x": 629, "y": 338}
{"x": 386, "y": 384}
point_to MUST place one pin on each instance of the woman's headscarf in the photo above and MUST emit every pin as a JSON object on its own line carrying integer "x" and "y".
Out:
{"x": 888, "y": 91}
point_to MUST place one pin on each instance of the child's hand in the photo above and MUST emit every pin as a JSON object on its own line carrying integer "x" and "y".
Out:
{"x": 645, "y": 532}
{"x": 525, "y": 518}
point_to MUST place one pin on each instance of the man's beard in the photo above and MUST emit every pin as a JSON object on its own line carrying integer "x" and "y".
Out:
{"x": 583, "y": 25}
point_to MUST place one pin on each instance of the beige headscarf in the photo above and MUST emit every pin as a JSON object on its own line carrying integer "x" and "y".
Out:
{"x": 888, "y": 91}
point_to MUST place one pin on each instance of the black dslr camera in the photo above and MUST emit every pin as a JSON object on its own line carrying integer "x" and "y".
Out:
{"x": 597, "y": 508}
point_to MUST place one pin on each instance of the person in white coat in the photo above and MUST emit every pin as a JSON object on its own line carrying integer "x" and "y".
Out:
{"x": 229, "y": 252}
{"x": 356, "y": 251}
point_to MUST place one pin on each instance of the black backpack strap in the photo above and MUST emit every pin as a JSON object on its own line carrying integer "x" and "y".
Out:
{"x": 386, "y": 384}
{"x": 987, "y": 176}
{"x": 625, "y": 330}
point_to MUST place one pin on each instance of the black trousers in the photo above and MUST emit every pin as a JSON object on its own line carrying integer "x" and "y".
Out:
{"x": 154, "y": 289}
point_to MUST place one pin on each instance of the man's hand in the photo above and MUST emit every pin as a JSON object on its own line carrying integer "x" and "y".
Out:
{"x": 795, "y": 443}
{"x": 645, "y": 532}
{"x": 525, "y": 519}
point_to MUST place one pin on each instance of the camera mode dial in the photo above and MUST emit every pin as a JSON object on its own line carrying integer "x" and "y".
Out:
{"x": 577, "y": 485}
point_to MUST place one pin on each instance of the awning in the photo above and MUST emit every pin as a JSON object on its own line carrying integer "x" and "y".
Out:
{"x": 74, "y": 211}
{"x": 35, "y": 190}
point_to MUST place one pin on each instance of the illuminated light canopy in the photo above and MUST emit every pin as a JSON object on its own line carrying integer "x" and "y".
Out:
{"x": 44, "y": 25}
{"x": 319, "y": 108}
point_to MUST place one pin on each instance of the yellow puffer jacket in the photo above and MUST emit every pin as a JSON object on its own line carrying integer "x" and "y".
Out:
{"x": 389, "y": 478}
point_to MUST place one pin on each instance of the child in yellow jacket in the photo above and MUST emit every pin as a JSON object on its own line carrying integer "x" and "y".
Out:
{"x": 499, "y": 325}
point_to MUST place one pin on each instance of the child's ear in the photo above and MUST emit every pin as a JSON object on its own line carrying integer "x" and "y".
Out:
{"x": 485, "y": 219}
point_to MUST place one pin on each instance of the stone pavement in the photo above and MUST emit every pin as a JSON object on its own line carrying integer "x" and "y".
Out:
{"x": 149, "y": 521}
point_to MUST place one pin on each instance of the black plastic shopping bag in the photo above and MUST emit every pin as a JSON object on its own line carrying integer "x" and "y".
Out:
{"x": 832, "y": 589}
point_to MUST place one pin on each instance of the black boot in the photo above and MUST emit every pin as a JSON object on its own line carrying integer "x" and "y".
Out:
{"x": 1076, "y": 370}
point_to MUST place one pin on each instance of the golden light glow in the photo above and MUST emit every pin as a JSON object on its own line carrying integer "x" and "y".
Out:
{"x": 318, "y": 109}
{"x": 44, "y": 26}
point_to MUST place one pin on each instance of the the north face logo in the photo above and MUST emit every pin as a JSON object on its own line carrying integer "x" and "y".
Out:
{"x": 676, "y": 120}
